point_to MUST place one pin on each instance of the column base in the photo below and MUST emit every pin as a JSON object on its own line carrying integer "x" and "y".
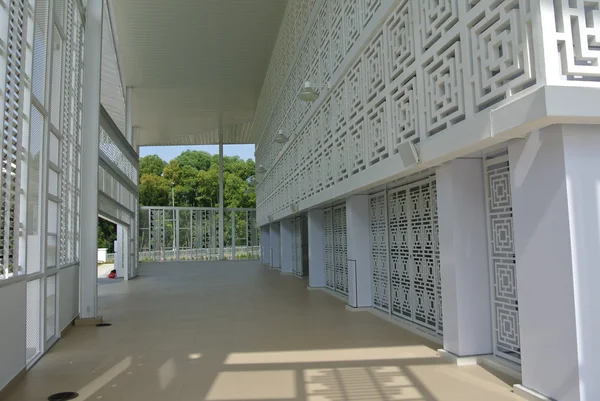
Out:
{"x": 287, "y": 274}
{"x": 314, "y": 288}
{"x": 275, "y": 268}
{"x": 458, "y": 360}
{"x": 88, "y": 321}
{"x": 359, "y": 308}
{"x": 529, "y": 394}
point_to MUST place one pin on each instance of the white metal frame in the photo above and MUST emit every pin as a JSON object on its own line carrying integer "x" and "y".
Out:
{"x": 201, "y": 232}
{"x": 336, "y": 255}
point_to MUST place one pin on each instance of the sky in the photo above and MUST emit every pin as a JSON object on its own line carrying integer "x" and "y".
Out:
{"x": 167, "y": 153}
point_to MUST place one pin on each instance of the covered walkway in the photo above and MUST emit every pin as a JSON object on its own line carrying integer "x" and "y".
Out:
{"x": 238, "y": 331}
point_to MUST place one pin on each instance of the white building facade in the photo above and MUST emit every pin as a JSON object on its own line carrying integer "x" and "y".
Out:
{"x": 487, "y": 241}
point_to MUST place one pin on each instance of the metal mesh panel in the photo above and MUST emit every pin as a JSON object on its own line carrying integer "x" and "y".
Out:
{"x": 11, "y": 143}
{"x": 110, "y": 149}
{"x": 57, "y": 85}
{"x": 40, "y": 33}
{"x": 505, "y": 303}
{"x": 297, "y": 256}
{"x": 50, "y": 312}
{"x": 33, "y": 328}
{"x": 34, "y": 189}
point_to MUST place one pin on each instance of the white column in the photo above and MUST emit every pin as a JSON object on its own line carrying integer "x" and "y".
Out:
{"x": 464, "y": 258}
{"x": 119, "y": 252}
{"x": 275, "y": 246}
{"x": 221, "y": 200}
{"x": 287, "y": 243}
{"x": 359, "y": 251}
{"x": 89, "y": 157}
{"x": 265, "y": 244}
{"x": 555, "y": 176}
{"x": 128, "y": 114}
{"x": 316, "y": 248}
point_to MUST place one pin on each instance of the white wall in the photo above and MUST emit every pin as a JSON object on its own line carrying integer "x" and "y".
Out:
{"x": 12, "y": 331}
{"x": 68, "y": 296}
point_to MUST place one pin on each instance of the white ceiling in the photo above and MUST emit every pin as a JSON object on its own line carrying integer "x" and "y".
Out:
{"x": 195, "y": 65}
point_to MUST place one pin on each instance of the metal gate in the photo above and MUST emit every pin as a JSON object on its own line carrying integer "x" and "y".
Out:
{"x": 189, "y": 234}
{"x": 297, "y": 257}
{"x": 501, "y": 251}
{"x": 336, "y": 258}
{"x": 405, "y": 254}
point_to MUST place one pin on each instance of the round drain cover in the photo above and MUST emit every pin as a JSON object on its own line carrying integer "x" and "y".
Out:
{"x": 103, "y": 325}
{"x": 69, "y": 395}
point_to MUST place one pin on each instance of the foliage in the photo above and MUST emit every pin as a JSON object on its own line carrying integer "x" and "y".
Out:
{"x": 193, "y": 177}
{"x": 107, "y": 235}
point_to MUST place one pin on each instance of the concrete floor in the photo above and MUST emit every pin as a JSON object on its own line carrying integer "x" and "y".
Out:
{"x": 237, "y": 331}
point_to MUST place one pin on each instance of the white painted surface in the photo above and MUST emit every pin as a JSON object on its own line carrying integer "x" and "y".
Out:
{"x": 316, "y": 248}
{"x": 265, "y": 244}
{"x": 287, "y": 243}
{"x": 12, "y": 331}
{"x": 275, "y": 245}
{"x": 549, "y": 359}
{"x": 68, "y": 296}
{"x": 463, "y": 258}
{"x": 89, "y": 155}
{"x": 359, "y": 251}
{"x": 211, "y": 58}
{"x": 582, "y": 166}
{"x": 102, "y": 254}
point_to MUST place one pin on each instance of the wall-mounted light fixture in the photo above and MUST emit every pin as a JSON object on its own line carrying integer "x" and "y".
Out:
{"x": 280, "y": 137}
{"x": 261, "y": 169}
{"x": 309, "y": 92}
{"x": 408, "y": 154}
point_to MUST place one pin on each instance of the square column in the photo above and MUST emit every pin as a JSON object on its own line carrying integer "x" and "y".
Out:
{"x": 265, "y": 244}
{"x": 316, "y": 248}
{"x": 359, "y": 251}
{"x": 287, "y": 244}
{"x": 275, "y": 257}
{"x": 555, "y": 176}
{"x": 464, "y": 259}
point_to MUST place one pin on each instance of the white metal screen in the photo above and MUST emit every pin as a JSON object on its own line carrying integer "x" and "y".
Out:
{"x": 184, "y": 234}
{"x": 297, "y": 257}
{"x": 336, "y": 258}
{"x": 405, "y": 254}
{"x": 501, "y": 251}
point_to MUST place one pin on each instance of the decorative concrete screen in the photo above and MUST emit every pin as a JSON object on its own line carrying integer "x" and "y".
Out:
{"x": 336, "y": 255}
{"x": 398, "y": 71}
{"x": 501, "y": 251}
{"x": 405, "y": 254}
{"x": 187, "y": 234}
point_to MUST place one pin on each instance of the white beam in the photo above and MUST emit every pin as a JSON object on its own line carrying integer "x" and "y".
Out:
{"x": 128, "y": 115}
{"x": 89, "y": 157}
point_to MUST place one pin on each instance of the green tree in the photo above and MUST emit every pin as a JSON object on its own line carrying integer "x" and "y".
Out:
{"x": 107, "y": 235}
{"x": 195, "y": 158}
{"x": 152, "y": 165}
{"x": 154, "y": 191}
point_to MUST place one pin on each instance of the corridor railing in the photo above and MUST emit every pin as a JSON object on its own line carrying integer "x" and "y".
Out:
{"x": 192, "y": 234}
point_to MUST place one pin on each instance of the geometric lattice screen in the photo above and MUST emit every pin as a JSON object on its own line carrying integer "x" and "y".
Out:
{"x": 505, "y": 303}
{"x": 400, "y": 71}
{"x": 336, "y": 253}
{"x": 405, "y": 254}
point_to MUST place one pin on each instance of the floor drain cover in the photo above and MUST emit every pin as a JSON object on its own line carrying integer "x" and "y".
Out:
{"x": 69, "y": 395}
{"x": 103, "y": 325}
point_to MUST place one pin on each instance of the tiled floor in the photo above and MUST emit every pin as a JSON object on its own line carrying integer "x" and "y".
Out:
{"x": 236, "y": 331}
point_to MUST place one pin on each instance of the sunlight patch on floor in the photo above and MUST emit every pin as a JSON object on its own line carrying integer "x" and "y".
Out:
{"x": 331, "y": 355}
{"x": 256, "y": 385}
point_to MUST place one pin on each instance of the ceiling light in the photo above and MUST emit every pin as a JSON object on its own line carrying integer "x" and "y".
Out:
{"x": 308, "y": 93}
{"x": 280, "y": 137}
{"x": 261, "y": 169}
